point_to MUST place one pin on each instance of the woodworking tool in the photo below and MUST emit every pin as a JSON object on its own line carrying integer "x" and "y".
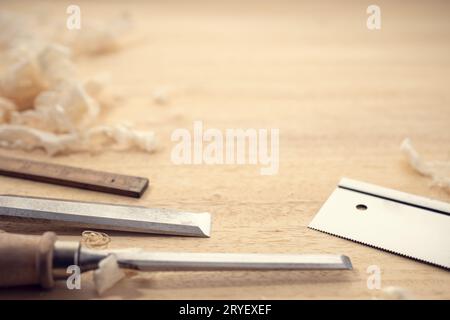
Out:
{"x": 104, "y": 216}
{"x": 398, "y": 222}
{"x": 73, "y": 177}
{"x": 29, "y": 260}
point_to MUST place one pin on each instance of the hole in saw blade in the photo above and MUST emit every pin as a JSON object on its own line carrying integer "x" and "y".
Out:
{"x": 361, "y": 207}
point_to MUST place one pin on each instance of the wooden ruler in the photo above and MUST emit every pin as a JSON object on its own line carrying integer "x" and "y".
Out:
{"x": 74, "y": 177}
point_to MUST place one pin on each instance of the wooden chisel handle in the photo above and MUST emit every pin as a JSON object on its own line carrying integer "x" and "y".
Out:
{"x": 26, "y": 259}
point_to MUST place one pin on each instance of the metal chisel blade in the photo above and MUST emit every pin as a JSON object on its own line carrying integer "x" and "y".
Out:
{"x": 409, "y": 225}
{"x": 107, "y": 216}
{"x": 181, "y": 261}
{"x": 157, "y": 261}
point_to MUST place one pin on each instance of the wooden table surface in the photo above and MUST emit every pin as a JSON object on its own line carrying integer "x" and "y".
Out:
{"x": 343, "y": 97}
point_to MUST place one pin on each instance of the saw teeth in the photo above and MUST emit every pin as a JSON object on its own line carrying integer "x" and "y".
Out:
{"x": 433, "y": 263}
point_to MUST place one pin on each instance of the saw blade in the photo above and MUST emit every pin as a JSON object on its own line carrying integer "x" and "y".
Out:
{"x": 398, "y": 222}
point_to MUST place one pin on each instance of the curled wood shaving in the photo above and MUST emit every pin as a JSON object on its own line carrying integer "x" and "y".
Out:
{"x": 118, "y": 137}
{"x": 95, "y": 240}
{"x": 438, "y": 171}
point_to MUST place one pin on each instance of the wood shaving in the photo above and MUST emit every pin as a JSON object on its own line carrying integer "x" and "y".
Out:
{"x": 95, "y": 240}
{"x": 6, "y": 108}
{"x": 395, "y": 293}
{"x": 161, "y": 95}
{"x": 43, "y": 103}
{"x": 107, "y": 274}
{"x": 22, "y": 82}
{"x": 438, "y": 171}
{"x": 95, "y": 139}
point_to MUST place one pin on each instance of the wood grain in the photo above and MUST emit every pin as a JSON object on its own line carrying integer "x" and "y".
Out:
{"x": 75, "y": 177}
{"x": 342, "y": 96}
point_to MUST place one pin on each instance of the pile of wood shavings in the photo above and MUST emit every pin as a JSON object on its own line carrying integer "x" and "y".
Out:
{"x": 438, "y": 171}
{"x": 43, "y": 104}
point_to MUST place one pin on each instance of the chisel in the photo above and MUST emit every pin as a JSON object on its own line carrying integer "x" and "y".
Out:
{"x": 101, "y": 181}
{"x": 39, "y": 260}
{"x": 90, "y": 215}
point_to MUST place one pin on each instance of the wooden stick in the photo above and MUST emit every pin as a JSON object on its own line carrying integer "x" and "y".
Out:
{"x": 74, "y": 177}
